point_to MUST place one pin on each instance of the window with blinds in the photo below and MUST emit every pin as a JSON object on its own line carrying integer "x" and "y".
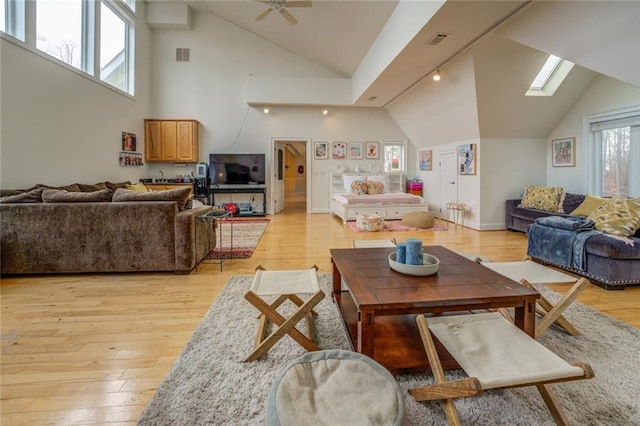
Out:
{"x": 615, "y": 141}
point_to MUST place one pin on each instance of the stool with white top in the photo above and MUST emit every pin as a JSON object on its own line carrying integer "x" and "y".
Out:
{"x": 457, "y": 210}
{"x": 286, "y": 285}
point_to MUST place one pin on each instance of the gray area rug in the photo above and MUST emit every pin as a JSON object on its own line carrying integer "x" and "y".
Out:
{"x": 209, "y": 384}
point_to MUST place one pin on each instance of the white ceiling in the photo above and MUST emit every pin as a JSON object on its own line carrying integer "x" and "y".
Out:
{"x": 338, "y": 34}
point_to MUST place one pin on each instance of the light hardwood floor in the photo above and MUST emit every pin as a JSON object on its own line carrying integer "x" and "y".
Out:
{"x": 92, "y": 349}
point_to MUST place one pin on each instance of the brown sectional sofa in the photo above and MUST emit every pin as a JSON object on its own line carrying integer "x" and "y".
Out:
{"x": 68, "y": 234}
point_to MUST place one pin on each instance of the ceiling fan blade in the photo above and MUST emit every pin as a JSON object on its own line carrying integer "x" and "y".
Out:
{"x": 298, "y": 4}
{"x": 288, "y": 16}
{"x": 263, "y": 14}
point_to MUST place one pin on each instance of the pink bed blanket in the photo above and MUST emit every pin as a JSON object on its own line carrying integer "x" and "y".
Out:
{"x": 389, "y": 198}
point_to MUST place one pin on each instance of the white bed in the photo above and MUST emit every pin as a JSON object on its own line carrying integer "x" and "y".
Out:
{"x": 392, "y": 204}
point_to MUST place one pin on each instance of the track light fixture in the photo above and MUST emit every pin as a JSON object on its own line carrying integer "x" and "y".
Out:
{"x": 436, "y": 76}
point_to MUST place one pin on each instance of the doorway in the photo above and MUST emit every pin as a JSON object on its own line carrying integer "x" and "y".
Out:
{"x": 290, "y": 170}
{"x": 448, "y": 181}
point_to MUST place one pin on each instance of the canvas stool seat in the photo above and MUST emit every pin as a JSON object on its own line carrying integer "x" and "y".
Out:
{"x": 286, "y": 285}
{"x": 335, "y": 387}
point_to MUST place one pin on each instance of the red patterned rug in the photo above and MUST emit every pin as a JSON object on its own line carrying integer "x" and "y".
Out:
{"x": 397, "y": 226}
{"x": 246, "y": 235}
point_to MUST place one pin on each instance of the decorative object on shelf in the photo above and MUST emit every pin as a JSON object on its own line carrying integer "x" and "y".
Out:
{"x": 357, "y": 169}
{"x": 563, "y": 152}
{"x": 355, "y": 150}
{"x": 375, "y": 167}
{"x": 467, "y": 159}
{"x": 425, "y": 159}
{"x": 128, "y": 141}
{"x": 340, "y": 168}
{"x": 339, "y": 151}
{"x": 372, "y": 150}
{"x": 321, "y": 150}
{"x": 130, "y": 159}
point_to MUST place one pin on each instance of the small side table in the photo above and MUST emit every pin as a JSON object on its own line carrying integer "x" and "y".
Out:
{"x": 219, "y": 216}
{"x": 457, "y": 210}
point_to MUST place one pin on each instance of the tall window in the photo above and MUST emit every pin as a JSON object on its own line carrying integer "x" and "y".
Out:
{"x": 67, "y": 30}
{"x": 59, "y": 30}
{"x": 394, "y": 156}
{"x": 616, "y": 152}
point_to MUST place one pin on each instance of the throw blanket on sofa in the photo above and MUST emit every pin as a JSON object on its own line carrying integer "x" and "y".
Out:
{"x": 560, "y": 240}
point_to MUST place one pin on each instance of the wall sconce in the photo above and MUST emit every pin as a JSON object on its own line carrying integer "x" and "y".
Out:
{"x": 436, "y": 76}
{"x": 265, "y": 110}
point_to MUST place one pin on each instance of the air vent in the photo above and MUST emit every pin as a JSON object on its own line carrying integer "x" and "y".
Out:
{"x": 437, "y": 39}
{"x": 182, "y": 54}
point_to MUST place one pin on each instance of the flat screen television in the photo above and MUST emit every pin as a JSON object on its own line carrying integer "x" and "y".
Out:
{"x": 237, "y": 169}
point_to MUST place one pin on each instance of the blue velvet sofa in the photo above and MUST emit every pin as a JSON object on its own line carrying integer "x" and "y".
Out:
{"x": 610, "y": 263}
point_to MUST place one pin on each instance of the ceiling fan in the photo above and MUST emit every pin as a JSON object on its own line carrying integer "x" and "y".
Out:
{"x": 281, "y": 6}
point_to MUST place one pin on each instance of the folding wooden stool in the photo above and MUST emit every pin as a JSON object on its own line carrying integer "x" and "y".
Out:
{"x": 495, "y": 354}
{"x": 287, "y": 285}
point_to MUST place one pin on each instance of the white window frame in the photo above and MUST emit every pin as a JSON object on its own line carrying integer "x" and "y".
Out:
{"x": 593, "y": 171}
{"x": 403, "y": 159}
{"x": 21, "y": 16}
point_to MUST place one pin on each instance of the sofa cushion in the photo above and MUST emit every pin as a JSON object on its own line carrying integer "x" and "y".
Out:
{"x": 62, "y": 196}
{"x": 113, "y": 186}
{"x": 604, "y": 246}
{"x": 617, "y": 216}
{"x": 590, "y": 203}
{"x": 91, "y": 188}
{"x": 33, "y": 196}
{"x": 547, "y": 198}
{"x": 180, "y": 195}
{"x": 138, "y": 187}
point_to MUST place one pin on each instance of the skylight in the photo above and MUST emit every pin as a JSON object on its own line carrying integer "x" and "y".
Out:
{"x": 551, "y": 75}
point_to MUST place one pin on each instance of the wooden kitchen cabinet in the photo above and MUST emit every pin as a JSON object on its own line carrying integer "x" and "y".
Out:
{"x": 171, "y": 141}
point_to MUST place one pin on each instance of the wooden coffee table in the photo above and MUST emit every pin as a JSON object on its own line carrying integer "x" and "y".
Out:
{"x": 379, "y": 305}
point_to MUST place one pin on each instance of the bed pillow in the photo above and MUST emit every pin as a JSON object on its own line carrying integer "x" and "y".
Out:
{"x": 354, "y": 184}
{"x": 547, "y": 198}
{"x": 617, "y": 216}
{"x": 590, "y": 203}
{"x": 376, "y": 184}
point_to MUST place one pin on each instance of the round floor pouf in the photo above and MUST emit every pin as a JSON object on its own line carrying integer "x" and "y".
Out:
{"x": 335, "y": 387}
{"x": 370, "y": 222}
{"x": 418, "y": 220}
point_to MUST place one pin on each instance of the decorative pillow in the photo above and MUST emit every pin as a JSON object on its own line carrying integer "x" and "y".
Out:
{"x": 33, "y": 196}
{"x": 113, "y": 186}
{"x": 380, "y": 179}
{"x": 354, "y": 184}
{"x": 617, "y": 216}
{"x": 91, "y": 188}
{"x": 374, "y": 187}
{"x": 71, "y": 188}
{"x": 180, "y": 195}
{"x": 590, "y": 203}
{"x": 62, "y": 196}
{"x": 138, "y": 187}
{"x": 547, "y": 198}
{"x": 7, "y": 192}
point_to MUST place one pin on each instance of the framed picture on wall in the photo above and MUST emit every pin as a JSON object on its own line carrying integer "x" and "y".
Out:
{"x": 339, "y": 150}
{"x": 372, "y": 150}
{"x": 128, "y": 141}
{"x": 355, "y": 150}
{"x": 321, "y": 150}
{"x": 563, "y": 152}
{"x": 467, "y": 159}
{"x": 425, "y": 159}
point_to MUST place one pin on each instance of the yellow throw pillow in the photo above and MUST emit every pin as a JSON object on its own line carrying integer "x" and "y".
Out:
{"x": 547, "y": 198}
{"x": 617, "y": 216}
{"x": 590, "y": 203}
{"x": 138, "y": 187}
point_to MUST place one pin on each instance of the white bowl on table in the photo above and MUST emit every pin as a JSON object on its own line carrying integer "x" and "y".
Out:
{"x": 429, "y": 266}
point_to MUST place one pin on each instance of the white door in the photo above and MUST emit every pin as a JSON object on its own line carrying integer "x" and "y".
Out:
{"x": 448, "y": 181}
{"x": 278, "y": 178}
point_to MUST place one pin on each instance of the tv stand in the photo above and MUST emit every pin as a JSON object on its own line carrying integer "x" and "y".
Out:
{"x": 240, "y": 189}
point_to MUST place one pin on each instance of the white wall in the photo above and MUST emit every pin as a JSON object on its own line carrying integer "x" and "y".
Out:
{"x": 212, "y": 89}
{"x": 604, "y": 95}
{"x": 59, "y": 127}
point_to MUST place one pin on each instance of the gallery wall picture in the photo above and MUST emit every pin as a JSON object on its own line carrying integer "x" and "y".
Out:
{"x": 321, "y": 150}
{"x": 339, "y": 150}
{"x": 563, "y": 152}
{"x": 371, "y": 150}
{"x": 425, "y": 159}
{"x": 467, "y": 159}
{"x": 355, "y": 150}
